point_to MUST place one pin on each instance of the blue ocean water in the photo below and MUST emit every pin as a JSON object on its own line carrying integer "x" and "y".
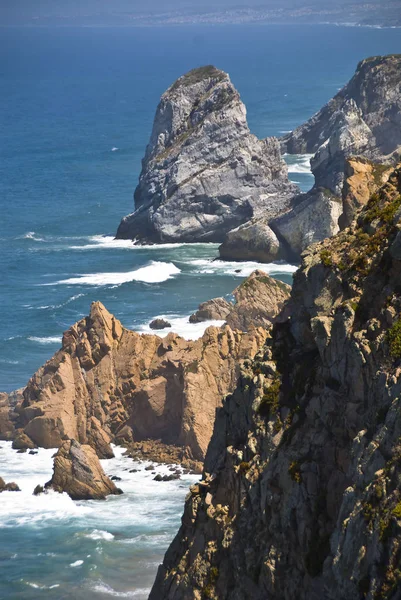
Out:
{"x": 76, "y": 109}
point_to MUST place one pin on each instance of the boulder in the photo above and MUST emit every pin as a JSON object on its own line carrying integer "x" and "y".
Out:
{"x": 8, "y": 487}
{"x": 212, "y": 310}
{"x": 204, "y": 173}
{"x": 22, "y": 441}
{"x": 159, "y": 324}
{"x": 254, "y": 240}
{"x": 314, "y": 217}
{"x": 77, "y": 471}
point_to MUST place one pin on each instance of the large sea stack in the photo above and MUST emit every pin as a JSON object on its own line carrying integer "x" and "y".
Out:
{"x": 301, "y": 491}
{"x": 203, "y": 172}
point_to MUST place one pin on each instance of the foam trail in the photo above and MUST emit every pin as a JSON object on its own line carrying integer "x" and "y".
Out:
{"x": 52, "y": 339}
{"x": 298, "y": 163}
{"x": 98, "y": 242}
{"x": 155, "y": 272}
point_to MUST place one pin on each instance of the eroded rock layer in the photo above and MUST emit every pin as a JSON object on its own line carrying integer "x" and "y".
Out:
{"x": 301, "y": 492}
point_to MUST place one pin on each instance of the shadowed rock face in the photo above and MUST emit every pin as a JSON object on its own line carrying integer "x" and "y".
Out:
{"x": 203, "y": 172}
{"x": 300, "y": 496}
{"x": 109, "y": 383}
{"x": 77, "y": 471}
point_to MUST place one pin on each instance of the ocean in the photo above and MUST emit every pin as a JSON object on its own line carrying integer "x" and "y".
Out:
{"x": 76, "y": 109}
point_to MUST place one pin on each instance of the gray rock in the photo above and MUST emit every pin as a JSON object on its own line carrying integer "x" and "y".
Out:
{"x": 254, "y": 240}
{"x": 204, "y": 173}
{"x": 314, "y": 217}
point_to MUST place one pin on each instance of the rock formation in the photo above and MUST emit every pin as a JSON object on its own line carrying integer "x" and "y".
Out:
{"x": 257, "y": 302}
{"x": 159, "y": 324}
{"x": 301, "y": 491}
{"x": 362, "y": 120}
{"x": 109, "y": 383}
{"x": 204, "y": 173}
{"x": 78, "y": 472}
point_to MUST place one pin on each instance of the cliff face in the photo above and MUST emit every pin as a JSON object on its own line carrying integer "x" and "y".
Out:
{"x": 203, "y": 172}
{"x": 372, "y": 99}
{"x": 301, "y": 492}
{"x": 109, "y": 383}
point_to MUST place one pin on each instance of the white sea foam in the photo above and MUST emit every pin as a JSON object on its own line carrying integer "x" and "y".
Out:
{"x": 30, "y": 235}
{"x": 114, "y": 149}
{"x": 77, "y": 563}
{"x": 298, "y": 163}
{"x": 239, "y": 269}
{"x": 99, "y": 534}
{"x": 181, "y": 326}
{"x": 52, "y": 339}
{"x": 38, "y": 586}
{"x": 155, "y": 272}
{"x": 102, "y": 588}
{"x": 98, "y": 242}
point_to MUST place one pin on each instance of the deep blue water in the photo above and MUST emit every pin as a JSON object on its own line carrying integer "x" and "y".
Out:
{"x": 68, "y": 97}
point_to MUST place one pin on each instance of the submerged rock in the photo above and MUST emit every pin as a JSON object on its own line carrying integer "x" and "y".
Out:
{"x": 203, "y": 172}
{"x": 77, "y": 471}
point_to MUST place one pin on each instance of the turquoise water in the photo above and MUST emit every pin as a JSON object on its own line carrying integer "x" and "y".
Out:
{"x": 76, "y": 111}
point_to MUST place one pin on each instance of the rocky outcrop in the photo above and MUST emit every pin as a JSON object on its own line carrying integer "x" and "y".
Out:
{"x": 257, "y": 302}
{"x": 300, "y": 495}
{"x": 212, "y": 310}
{"x": 78, "y": 472}
{"x": 8, "y": 407}
{"x": 108, "y": 383}
{"x": 372, "y": 99}
{"x": 253, "y": 240}
{"x": 204, "y": 173}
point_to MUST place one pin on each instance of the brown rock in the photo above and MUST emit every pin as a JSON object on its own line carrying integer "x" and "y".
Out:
{"x": 77, "y": 471}
{"x": 8, "y": 487}
{"x": 211, "y": 310}
{"x": 23, "y": 442}
{"x": 159, "y": 324}
{"x": 107, "y": 380}
{"x": 362, "y": 178}
{"x": 258, "y": 301}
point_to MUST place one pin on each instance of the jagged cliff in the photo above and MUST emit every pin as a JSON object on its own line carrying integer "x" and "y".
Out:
{"x": 203, "y": 172}
{"x": 108, "y": 383}
{"x": 301, "y": 493}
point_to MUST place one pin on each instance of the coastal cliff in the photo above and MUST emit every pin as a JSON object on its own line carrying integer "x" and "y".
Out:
{"x": 204, "y": 173}
{"x": 301, "y": 491}
{"x": 109, "y": 384}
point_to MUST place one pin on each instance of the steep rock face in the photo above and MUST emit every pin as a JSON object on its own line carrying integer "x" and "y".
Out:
{"x": 211, "y": 310}
{"x": 204, "y": 173}
{"x": 78, "y": 472}
{"x": 375, "y": 92}
{"x": 109, "y": 383}
{"x": 362, "y": 179}
{"x": 300, "y": 496}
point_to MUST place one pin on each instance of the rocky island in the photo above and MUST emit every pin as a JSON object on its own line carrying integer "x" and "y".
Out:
{"x": 204, "y": 173}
